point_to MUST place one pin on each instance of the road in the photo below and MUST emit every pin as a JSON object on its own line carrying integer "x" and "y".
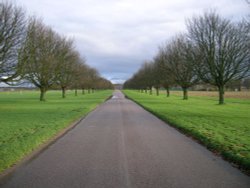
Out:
{"x": 120, "y": 145}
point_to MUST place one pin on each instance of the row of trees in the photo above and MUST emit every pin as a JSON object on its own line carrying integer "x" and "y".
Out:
{"x": 214, "y": 50}
{"x": 34, "y": 52}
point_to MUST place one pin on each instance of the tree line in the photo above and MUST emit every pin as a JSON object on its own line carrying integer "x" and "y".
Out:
{"x": 32, "y": 51}
{"x": 214, "y": 51}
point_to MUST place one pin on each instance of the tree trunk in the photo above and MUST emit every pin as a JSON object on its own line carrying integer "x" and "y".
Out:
{"x": 146, "y": 90}
{"x": 185, "y": 93}
{"x": 167, "y": 92}
{"x": 239, "y": 89}
{"x": 42, "y": 94}
{"x": 157, "y": 91}
{"x": 88, "y": 90}
{"x": 150, "y": 91}
{"x": 63, "y": 92}
{"x": 93, "y": 90}
{"x": 75, "y": 92}
{"x": 83, "y": 92}
{"x": 221, "y": 94}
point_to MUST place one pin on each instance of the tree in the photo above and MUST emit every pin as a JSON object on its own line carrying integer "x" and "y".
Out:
{"x": 179, "y": 59}
{"x": 156, "y": 74}
{"x": 83, "y": 76}
{"x": 67, "y": 59}
{"x": 103, "y": 83}
{"x": 91, "y": 77}
{"x": 38, "y": 59}
{"x": 221, "y": 50}
{"x": 78, "y": 73}
{"x": 12, "y": 33}
{"x": 165, "y": 75}
{"x": 145, "y": 77}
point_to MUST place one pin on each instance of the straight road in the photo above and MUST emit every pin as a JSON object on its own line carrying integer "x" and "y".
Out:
{"x": 120, "y": 145}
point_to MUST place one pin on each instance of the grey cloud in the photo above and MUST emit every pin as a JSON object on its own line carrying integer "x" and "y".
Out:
{"x": 116, "y": 36}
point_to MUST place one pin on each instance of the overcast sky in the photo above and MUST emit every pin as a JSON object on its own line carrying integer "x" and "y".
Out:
{"x": 116, "y": 36}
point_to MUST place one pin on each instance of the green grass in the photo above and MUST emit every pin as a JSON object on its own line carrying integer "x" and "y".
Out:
{"x": 222, "y": 128}
{"x": 26, "y": 123}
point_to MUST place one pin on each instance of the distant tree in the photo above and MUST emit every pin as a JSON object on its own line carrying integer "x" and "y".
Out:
{"x": 246, "y": 83}
{"x": 92, "y": 76}
{"x": 222, "y": 50}
{"x": 139, "y": 79}
{"x": 133, "y": 82}
{"x": 179, "y": 59}
{"x": 234, "y": 85}
{"x": 143, "y": 79}
{"x": 145, "y": 76}
{"x": 38, "y": 56}
{"x": 103, "y": 83}
{"x": 12, "y": 34}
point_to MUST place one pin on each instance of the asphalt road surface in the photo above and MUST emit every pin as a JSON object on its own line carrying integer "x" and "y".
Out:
{"x": 120, "y": 145}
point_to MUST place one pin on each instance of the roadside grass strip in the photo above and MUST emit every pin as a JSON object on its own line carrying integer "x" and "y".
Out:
{"x": 224, "y": 129}
{"x": 26, "y": 123}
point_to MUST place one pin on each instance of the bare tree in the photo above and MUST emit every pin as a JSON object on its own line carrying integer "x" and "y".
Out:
{"x": 38, "y": 56}
{"x": 78, "y": 75}
{"x": 143, "y": 79}
{"x": 83, "y": 79}
{"x": 145, "y": 76}
{"x": 222, "y": 50}
{"x": 92, "y": 76}
{"x": 103, "y": 83}
{"x": 156, "y": 76}
{"x": 12, "y": 33}
{"x": 67, "y": 59}
{"x": 165, "y": 76}
{"x": 179, "y": 61}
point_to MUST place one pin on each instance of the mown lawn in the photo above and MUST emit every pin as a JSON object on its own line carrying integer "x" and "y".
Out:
{"x": 222, "y": 128}
{"x": 26, "y": 123}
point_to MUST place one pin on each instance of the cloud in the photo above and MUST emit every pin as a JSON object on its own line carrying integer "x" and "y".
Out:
{"x": 116, "y": 36}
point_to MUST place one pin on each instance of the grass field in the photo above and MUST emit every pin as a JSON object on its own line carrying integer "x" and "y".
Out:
{"x": 26, "y": 123}
{"x": 228, "y": 94}
{"x": 224, "y": 129}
